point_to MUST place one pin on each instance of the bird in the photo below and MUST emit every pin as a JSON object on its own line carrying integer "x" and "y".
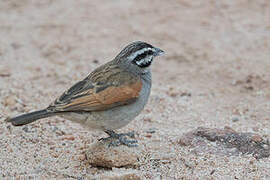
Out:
{"x": 109, "y": 98}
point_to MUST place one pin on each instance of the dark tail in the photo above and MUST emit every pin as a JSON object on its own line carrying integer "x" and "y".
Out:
{"x": 30, "y": 117}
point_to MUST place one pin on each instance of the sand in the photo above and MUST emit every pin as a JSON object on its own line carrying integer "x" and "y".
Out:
{"x": 215, "y": 73}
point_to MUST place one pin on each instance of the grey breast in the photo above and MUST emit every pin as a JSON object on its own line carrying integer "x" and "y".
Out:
{"x": 118, "y": 117}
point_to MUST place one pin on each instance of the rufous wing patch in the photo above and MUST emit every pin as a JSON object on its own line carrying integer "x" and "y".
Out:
{"x": 122, "y": 93}
{"x": 111, "y": 96}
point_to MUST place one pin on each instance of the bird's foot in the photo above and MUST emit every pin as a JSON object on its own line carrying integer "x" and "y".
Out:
{"x": 120, "y": 139}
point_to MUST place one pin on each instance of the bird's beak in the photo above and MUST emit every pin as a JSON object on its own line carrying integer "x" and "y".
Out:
{"x": 159, "y": 52}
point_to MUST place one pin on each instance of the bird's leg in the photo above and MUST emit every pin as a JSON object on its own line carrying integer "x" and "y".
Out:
{"x": 120, "y": 139}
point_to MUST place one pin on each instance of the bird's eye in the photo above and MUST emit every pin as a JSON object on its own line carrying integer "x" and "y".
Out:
{"x": 144, "y": 62}
{"x": 144, "y": 58}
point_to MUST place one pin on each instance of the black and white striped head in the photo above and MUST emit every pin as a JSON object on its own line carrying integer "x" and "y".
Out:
{"x": 139, "y": 53}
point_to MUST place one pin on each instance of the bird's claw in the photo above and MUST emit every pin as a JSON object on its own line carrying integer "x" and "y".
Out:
{"x": 120, "y": 139}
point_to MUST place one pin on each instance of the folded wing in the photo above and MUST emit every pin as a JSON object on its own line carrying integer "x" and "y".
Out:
{"x": 95, "y": 96}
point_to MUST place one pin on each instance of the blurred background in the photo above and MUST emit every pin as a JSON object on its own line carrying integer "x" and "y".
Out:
{"x": 215, "y": 73}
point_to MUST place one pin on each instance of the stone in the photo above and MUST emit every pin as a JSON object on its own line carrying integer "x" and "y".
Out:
{"x": 9, "y": 101}
{"x": 101, "y": 154}
{"x": 225, "y": 141}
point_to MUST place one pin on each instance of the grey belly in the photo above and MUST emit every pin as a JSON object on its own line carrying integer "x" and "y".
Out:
{"x": 112, "y": 119}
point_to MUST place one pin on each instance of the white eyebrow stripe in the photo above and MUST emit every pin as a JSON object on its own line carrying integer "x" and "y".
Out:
{"x": 135, "y": 54}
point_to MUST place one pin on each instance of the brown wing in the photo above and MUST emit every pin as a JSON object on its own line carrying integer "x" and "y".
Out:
{"x": 94, "y": 94}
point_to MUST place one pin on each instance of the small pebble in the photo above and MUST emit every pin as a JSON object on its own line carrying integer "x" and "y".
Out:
{"x": 151, "y": 130}
{"x": 257, "y": 138}
{"x": 95, "y": 61}
{"x": 9, "y": 101}
{"x": 25, "y": 129}
{"x": 235, "y": 119}
{"x": 82, "y": 157}
{"x": 185, "y": 94}
{"x": 147, "y": 119}
{"x": 70, "y": 138}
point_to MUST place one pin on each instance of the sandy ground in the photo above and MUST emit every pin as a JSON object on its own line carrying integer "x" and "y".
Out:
{"x": 215, "y": 74}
